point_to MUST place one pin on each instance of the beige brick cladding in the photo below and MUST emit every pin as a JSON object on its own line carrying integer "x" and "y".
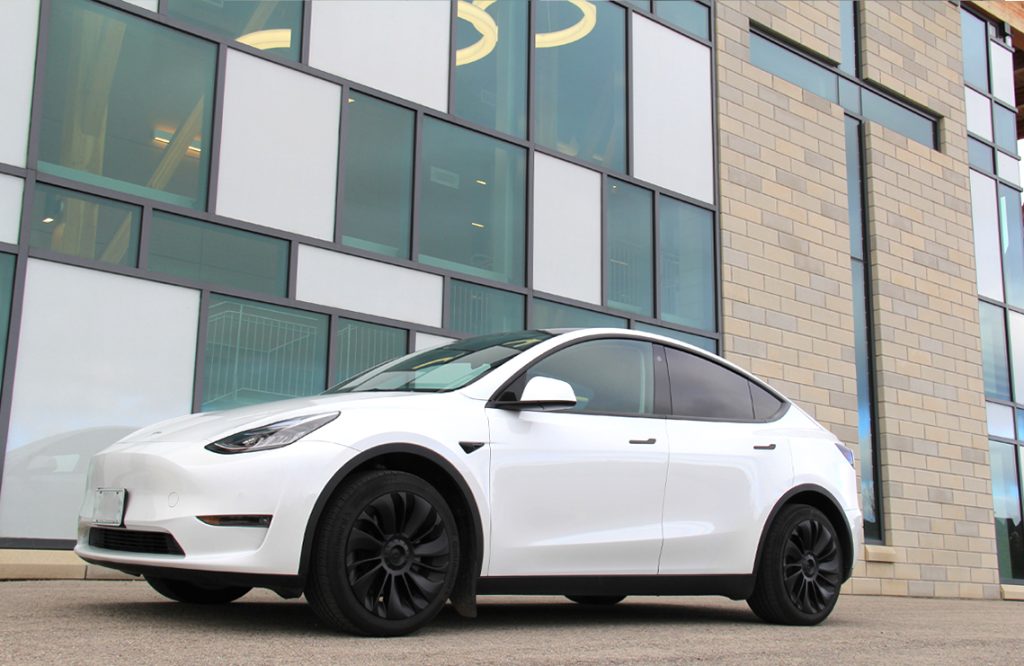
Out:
{"x": 787, "y": 309}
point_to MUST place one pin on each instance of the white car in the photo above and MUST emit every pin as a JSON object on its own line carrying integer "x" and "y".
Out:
{"x": 592, "y": 463}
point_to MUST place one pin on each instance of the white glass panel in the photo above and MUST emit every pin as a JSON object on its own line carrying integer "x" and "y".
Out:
{"x": 372, "y": 287}
{"x": 427, "y": 341}
{"x": 1000, "y": 420}
{"x": 1017, "y": 355}
{"x": 19, "y": 21}
{"x": 151, "y": 5}
{"x": 11, "y": 189}
{"x": 566, "y": 229}
{"x": 1008, "y": 167}
{"x": 986, "y": 236}
{"x": 392, "y": 45}
{"x": 1001, "y": 69}
{"x": 279, "y": 147}
{"x": 672, "y": 110}
{"x": 979, "y": 114}
{"x": 122, "y": 356}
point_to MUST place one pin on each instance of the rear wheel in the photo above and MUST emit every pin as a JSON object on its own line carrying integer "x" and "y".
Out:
{"x": 385, "y": 557}
{"x": 595, "y": 600}
{"x": 180, "y": 590}
{"x": 801, "y": 568}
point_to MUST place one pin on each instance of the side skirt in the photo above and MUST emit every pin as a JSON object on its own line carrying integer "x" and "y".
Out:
{"x": 734, "y": 586}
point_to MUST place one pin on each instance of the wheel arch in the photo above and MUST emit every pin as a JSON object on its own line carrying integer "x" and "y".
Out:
{"x": 441, "y": 474}
{"x": 823, "y": 501}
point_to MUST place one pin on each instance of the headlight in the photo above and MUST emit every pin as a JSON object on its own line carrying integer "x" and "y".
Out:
{"x": 273, "y": 435}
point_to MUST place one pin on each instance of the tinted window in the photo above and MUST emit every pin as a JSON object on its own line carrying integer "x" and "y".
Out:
{"x": 765, "y": 404}
{"x": 608, "y": 376}
{"x": 703, "y": 389}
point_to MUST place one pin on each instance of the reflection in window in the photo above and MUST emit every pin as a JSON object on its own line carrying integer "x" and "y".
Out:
{"x": 85, "y": 226}
{"x": 1006, "y": 505}
{"x": 1012, "y": 245}
{"x": 489, "y": 83}
{"x": 630, "y": 268}
{"x": 686, "y": 264}
{"x": 993, "y": 349}
{"x": 686, "y": 14}
{"x": 548, "y": 314}
{"x": 473, "y": 203}
{"x": 361, "y": 346}
{"x": 898, "y": 118}
{"x": 478, "y": 310}
{"x": 205, "y": 252}
{"x": 794, "y": 68}
{"x": 6, "y": 291}
{"x": 376, "y": 208}
{"x": 580, "y": 80}
{"x": 980, "y": 156}
{"x": 1005, "y": 128}
{"x": 702, "y": 389}
{"x": 126, "y": 104}
{"x": 257, "y": 352}
{"x": 707, "y": 344}
{"x": 975, "y": 50}
{"x": 268, "y": 25}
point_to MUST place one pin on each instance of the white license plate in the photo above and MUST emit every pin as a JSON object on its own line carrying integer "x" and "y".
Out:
{"x": 108, "y": 509}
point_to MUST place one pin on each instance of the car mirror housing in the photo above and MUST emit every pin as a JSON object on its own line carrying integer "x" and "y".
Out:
{"x": 544, "y": 394}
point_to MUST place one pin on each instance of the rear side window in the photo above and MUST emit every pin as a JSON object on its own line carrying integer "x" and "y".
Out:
{"x": 766, "y": 405}
{"x": 704, "y": 389}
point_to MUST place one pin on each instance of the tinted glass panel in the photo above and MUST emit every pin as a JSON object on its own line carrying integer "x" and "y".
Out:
{"x": 865, "y": 439}
{"x": 126, "y": 104}
{"x": 766, "y": 405}
{"x": 686, "y": 269}
{"x": 257, "y": 352}
{"x": 85, "y": 226}
{"x": 1006, "y": 505}
{"x": 376, "y": 207}
{"x": 630, "y": 247}
{"x": 849, "y": 96}
{"x": 854, "y": 188}
{"x": 848, "y": 36}
{"x": 6, "y": 289}
{"x": 705, "y": 390}
{"x": 794, "y": 68}
{"x": 547, "y": 314}
{"x": 687, "y": 14}
{"x": 1012, "y": 236}
{"x": 641, "y": 4}
{"x": 608, "y": 376}
{"x": 707, "y": 344}
{"x": 473, "y": 203}
{"x": 1000, "y": 420}
{"x": 1005, "y": 126}
{"x": 480, "y": 310}
{"x": 580, "y": 81}
{"x": 898, "y": 118}
{"x": 490, "y": 65}
{"x": 221, "y": 255}
{"x": 980, "y": 155}
{"x": 993, "y": 348}
{"x": 361, "y": 346}
{"x": 274, "y": 27}
{"x": 975, "y": 50}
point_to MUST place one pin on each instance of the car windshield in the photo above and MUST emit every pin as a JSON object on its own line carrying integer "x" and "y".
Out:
{"x": 443, "y": 368}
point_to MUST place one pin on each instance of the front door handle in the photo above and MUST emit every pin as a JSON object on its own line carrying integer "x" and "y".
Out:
{"x": 764, "y": 447}
{"x": 649, "y": 440}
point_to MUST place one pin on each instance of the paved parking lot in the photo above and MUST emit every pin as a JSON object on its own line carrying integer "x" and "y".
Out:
{"x": 93, "y": 622}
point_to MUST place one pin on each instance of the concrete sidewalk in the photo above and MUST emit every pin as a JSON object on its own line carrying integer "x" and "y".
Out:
{"x": 93, "y": 622}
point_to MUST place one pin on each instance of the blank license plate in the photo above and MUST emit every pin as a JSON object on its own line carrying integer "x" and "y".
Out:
{"x": 108, "y": 509}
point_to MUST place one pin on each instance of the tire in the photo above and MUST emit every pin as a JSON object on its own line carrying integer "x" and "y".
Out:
{"x": 801, "y": 569}
{"x": 385, "y": 557}
{"x": 190, "y": 593}
{"x": 595, "y": 600}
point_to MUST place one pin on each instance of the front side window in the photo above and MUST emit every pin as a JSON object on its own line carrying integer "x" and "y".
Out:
{"x": 703, "y": 389}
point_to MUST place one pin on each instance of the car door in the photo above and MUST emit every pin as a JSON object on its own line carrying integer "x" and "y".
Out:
{"x": 580, "y": 491}
{"x": 728, "y": 466}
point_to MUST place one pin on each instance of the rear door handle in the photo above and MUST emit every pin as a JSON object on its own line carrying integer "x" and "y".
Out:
{"x": 764, "y": 447}
{"x": 650, "y": 440}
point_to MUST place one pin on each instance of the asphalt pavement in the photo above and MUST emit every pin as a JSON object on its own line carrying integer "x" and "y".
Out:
{"x": 125, "y": 622}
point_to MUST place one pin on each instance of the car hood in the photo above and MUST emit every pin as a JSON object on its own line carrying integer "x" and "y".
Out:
{"x": 210, "y": 426}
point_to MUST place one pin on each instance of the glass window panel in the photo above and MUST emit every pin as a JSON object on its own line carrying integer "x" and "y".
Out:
{"x": 6, "y": 290}
{"x": 1000, "y": 420}
{"x": 548, "y": 314}
{"x": 12, "y": 190}
{"x": 579, "y": 94}
{"x": 1001, "y": 71}
{"x": 361, "y": 345}
{"x": 898, "y": 118}
{"x": 707, "y": 344}
{"x": 376, "y": 208}
{"x": 703, "y": 389}
{"x": 489, "y": 84}
{"x": 1020, "y": 423}
{"x": 987, "y": 244}
{"x": 975, "y": 50}
{"x": 212, "y": 253}
{"x": 689, "y": 15}
{"x": 84, "y": 226}
{"x": 1015, "y": 321}
{"x": 848, "y": 37}
{"x": 257, "y": 352}
{"x": 1005, "y": 127}
{"x": 686, "y": 264}
{"x": 865, "y": 438}
{"x": 1012, "y": 244}
{"x": 979, "y": 114}
{"x": 854, "y": 188}
{"x": 1007, "y": 167}
{"x": 629, "y": 273}
{"x": 993, "y": 349}
{"x": 473, "y": 203}
{"x": 1006, "y": 506}
{"x": 794, "y": 68}
{"x": 479, "y": 310}
{"x": 641, "y": 4}
{"x": 274, "y": 27}
{"x": 126, "y": 104}
{"x": 980, "y": 155}
{"x": 849, "y": 96}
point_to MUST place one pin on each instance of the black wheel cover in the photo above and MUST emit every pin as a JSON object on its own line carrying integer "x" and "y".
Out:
{"x": 811, "y": 564}
{"x": 397, "y": 555}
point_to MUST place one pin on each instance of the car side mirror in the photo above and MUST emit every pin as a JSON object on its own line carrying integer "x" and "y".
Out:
{"x": 544, "y": 394}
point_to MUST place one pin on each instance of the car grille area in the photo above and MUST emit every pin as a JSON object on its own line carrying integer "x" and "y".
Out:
{"x": 134, "y": 541}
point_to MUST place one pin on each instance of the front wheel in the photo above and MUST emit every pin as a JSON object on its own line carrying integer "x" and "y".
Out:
{"x": 801, "y": 569}
{"x": 190, "y": 593}
{"x": 386, "y": 556}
